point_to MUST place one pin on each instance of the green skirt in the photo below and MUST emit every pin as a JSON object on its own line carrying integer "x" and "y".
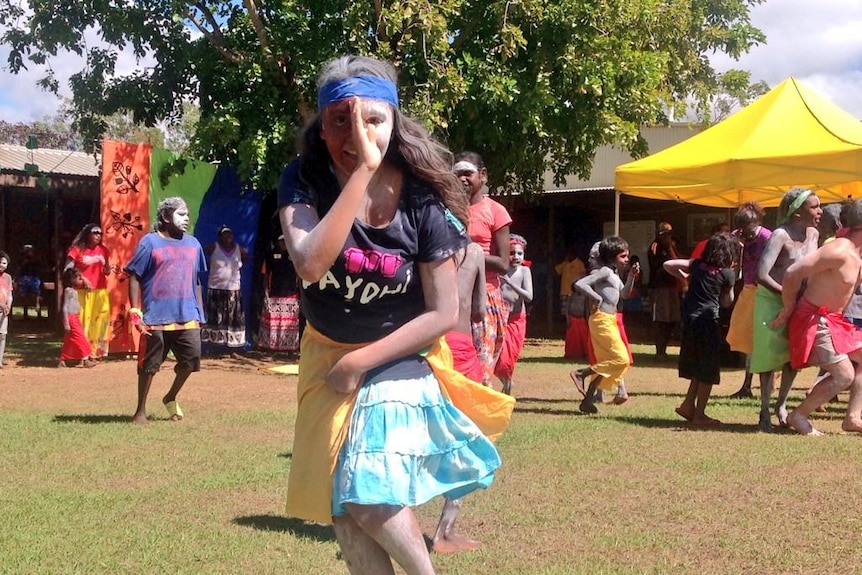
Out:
{"x": 771, "y": 350}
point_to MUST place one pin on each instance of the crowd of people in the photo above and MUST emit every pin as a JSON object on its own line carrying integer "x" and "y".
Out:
{"x": 396, "y": 399}
{"x": 795, "y": 297}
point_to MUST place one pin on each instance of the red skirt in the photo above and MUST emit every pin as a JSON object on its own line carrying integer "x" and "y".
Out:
{"x": 577, "y": 338}
{"x": 464, "y": 355}
{"x": 75, "y": 342}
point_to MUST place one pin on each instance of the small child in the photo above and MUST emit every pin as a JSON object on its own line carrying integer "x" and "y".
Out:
{"x": 517, "y": 288}
{"x": 5, "y": 303}
{"x": 75, "y": 343}
{"x": 604, "y": 288}
{"x": 710, "y": 286}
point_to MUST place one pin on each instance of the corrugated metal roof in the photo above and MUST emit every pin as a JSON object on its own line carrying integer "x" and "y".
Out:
{"x": 13, "y": 158}
{"x": 608, "y": 158}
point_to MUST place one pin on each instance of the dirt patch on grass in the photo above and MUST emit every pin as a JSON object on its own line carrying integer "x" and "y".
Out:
{"x": 31, "y": 381}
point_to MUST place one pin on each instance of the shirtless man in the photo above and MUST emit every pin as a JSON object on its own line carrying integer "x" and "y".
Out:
{"x": 819, "y": 332}
{"x": 471, "y": 297}
{"x": 796, "y": 237}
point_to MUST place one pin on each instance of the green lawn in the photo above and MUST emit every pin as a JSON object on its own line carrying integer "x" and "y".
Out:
{"x": 629, "y": 491}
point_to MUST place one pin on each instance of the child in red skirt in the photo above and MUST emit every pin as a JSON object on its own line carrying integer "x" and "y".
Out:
{"x": 76, "y": 346}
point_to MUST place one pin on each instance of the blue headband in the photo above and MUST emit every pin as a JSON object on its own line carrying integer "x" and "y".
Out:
{"x": 363, "y": 86}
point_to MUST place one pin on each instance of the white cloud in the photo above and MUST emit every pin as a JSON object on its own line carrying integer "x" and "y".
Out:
{"x": 817, "y": 42}
{"x": 22, "y": 100}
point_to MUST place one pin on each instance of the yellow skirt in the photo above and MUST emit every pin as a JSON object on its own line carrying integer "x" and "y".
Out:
{"x": 323, "y": 418}
{"x": 96, "y": 319}
{"x": 740, "y": 334}
{"x": 612, "y": 357}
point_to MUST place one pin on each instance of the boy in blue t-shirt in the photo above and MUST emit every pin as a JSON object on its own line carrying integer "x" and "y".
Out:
{"x": 165, "y": 295}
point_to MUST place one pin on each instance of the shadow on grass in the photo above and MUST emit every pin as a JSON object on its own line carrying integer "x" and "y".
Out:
{"x": 286, "y": 455}
{"x": 662, "y": 423}
{"x": 540, "y": 400}
{"x": 540, "y": 411}
{"x": 98, "y": 419}
{"x": 35, "y": 349}
{"x": 291, "y": 525}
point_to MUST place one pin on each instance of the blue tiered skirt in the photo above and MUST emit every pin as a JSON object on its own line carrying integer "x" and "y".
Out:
{"x": 407, "y": 445}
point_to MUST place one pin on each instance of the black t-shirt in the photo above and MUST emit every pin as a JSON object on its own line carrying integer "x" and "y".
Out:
{"x": 705, "y": 286}
{"x": 658, "y": 276}
{"x": 373, "y": 288}
{"x": 282, "y": 275}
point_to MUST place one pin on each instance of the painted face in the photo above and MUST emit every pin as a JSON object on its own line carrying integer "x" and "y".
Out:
{"x": 810, "y": 211}
{"x": 516, "y": 254}
{"x": 179, "y": 220}
{"x": 473, "y": 181}
{"x": 337, "y": 131}
{"x": 95, "y": 236}
{"x": 622, "y": 259}
{"x": 4, "y": 263}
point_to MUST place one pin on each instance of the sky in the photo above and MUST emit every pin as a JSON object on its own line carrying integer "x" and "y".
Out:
{"x": 818, "y": 42}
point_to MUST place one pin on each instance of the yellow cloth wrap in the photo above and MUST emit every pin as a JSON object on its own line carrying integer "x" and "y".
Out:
{"x": 488, "y": 408}
{"x": 740, "y": 334}
{"x": 323, "y": 418}
{"x": 96, "y": 319}
{"x": 612, "y": 358}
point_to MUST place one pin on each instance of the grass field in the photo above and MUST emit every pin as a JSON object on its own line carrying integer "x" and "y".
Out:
{"x": 629, "y": 491}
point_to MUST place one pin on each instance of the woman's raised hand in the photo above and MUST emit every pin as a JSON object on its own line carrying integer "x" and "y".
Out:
{"x": 365, "y": 139}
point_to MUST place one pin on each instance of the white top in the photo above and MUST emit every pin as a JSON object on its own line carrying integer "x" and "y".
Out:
{"x": 224, "y": 268}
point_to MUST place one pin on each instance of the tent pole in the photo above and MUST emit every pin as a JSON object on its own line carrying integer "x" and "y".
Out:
{"x": 617, "y": 195}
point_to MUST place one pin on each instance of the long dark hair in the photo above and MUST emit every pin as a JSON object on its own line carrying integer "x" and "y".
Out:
{"x": 411, "y": 148}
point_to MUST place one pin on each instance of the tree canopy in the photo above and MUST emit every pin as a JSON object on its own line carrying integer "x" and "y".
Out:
{"x": 532, "y": 85}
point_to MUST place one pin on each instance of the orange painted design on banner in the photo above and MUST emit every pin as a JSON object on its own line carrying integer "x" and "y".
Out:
{"x": 125, "y": 220}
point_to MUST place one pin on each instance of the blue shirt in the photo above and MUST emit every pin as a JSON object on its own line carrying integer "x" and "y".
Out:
{"x": 168, "y": 270}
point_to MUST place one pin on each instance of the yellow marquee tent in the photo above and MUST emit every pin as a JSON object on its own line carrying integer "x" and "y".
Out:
{"x": 791, "y": 136}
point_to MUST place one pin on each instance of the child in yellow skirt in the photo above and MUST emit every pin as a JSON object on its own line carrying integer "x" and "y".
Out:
{"x": 603, "y": 289}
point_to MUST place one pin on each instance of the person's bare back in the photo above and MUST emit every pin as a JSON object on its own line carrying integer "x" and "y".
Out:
{"x": 471, "y": 286}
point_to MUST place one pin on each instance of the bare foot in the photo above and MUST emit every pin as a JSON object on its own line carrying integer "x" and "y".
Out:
{"x": 620, "y": 399}
{"x": 704, "y": 421}
{"x": 454, "y": 543}
{"x": 852, "y": 424}
{"x": 801, "y": 425}
{"x": 686, "y": 415}
{"x": 781, "y": 414}
{"x": 578, "y": 380}
{"x": 140, "y": 419}
{"x": 765, "y": 424}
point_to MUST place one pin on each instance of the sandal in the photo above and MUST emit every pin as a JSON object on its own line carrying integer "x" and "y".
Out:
{"x": 578, "y": 380}
{"x": 174, "y": 411}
